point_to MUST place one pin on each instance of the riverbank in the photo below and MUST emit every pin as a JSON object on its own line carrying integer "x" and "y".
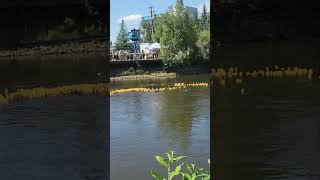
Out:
{"x": 147, "y": 76}
{"x": 71, "y": 47}
{"x": 154, "y": 73}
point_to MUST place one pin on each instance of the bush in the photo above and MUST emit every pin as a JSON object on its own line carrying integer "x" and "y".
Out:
{"x": 176, "y": 60}
{"x": 188, "y": 171}
{"x": 132, "y": 71}
{"x": 69, "y": 29}
{"x": 203, "y": 44}
{"x": 176, "y": 32}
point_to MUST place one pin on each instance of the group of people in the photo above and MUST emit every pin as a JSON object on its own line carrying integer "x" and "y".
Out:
{"x": 127, "y": 55}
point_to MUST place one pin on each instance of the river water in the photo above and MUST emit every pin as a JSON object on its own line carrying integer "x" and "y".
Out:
{"x": 65, "y": 137}
{"x": 273, "y": 130}
{"x": 52, "y": 71}
{"x": 147, "y": 124}
{"x": 55, "y": 137}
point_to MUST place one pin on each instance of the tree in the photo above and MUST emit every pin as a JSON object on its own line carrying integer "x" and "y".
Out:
{"x": 203, "y": 44}
{"x": 179, "y": 3}
{"x": 122, "y": 41}
{"x": 97, "y": 15}
{"x": 176, "y": 32}
{"x": 146, "y": 31}
{"x": 204, "y": 18}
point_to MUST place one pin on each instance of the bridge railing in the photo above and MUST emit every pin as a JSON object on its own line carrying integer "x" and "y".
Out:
{"x": 133, "y": 56}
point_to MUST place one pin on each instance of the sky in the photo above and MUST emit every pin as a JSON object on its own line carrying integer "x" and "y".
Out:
{"x": 132, "y": 11}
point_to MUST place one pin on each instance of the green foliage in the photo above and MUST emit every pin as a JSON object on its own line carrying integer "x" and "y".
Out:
{"x": 193, "y": 173}
{"x": 95, "y": 10}
{"x": 184, "y": 40}
{"x": 69, "y": 29}
{"x": 92, "y": 30}
{"x": 204, "y": 21}
{"x": 187, "y": 172}
{"x": 175, "y": 60}
{"x": 90, "y": 7}
{"x": 203, "y": 44}
{"x": 176, "y": 32}
{"x": 179, "y": 3}
{"x": 122, "y": 41}
{"x": 133, "y": 71}
{"x": 146, "y": 32}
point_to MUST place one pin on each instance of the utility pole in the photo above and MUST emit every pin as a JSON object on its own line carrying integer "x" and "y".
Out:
{"x": 151, "y": 15}
{"x": 154, "y": 16}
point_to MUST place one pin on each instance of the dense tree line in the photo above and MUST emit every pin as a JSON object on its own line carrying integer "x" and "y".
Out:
{"x": 122, "y": 40}
{"x": 184, "y": 40}
{"x": 258, "y": 20}
{"x": 94, "y": 24}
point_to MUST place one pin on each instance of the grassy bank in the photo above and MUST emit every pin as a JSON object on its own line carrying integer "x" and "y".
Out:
{"x": 141, "y": 73}
{"x": 144, "y": 76}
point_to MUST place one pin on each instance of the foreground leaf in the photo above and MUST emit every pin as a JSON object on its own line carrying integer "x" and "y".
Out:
{"x": 162, "y": 161}
{"x": 176, "y": 171}
{"x": 189, "y": 168}
{"x": 186, "y": 176}
{"x": 157, "y": 175}
{"x": 178, "y": 158}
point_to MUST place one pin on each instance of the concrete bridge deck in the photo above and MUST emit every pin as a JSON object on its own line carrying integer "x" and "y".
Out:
{"x": 130, "y": 58}
{"x": 131, "y": 61}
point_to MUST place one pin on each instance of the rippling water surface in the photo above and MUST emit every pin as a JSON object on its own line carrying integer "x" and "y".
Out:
{"x": 146, "y": 124}
{"x": 53, "y": 138}
{"x": 273, "y": 132}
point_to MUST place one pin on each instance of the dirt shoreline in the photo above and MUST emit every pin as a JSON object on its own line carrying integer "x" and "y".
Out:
{"x": 162, "y": 75}
{"x": 71, "y": 47}
{"x": 151, "y": 76}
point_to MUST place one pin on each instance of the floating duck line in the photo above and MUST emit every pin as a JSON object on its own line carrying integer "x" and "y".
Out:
{"x": 83, "y": 89}
{"x": 175, "y": 86}
{"x": 220, "y": 76}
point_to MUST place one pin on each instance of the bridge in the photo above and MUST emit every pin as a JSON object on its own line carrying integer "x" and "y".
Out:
{"x": 129, "y": 58}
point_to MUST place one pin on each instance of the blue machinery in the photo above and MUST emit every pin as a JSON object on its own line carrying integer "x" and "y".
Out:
{"x": 134, "y": 36}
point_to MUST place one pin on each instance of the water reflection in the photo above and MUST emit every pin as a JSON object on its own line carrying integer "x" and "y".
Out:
{"x": 51, "y": 70}
{"x": 54, "y": 138}
{"x": 271, "y": 133}
{"x": 61, "y": 137}
{"x": 175, "y": 117}
{"x": 145, "y": 124}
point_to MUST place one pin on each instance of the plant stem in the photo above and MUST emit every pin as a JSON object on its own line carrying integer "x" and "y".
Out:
{"x": 169, "y": 171}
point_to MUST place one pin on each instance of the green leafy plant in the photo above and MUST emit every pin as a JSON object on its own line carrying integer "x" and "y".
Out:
{"x": 194, "y": 173}
{"x": 190, "y": 173}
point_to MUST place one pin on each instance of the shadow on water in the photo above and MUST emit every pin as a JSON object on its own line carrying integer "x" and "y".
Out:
{"x": 54, "y": 138}
{"x": 59, "y": 137}
{"x": 271, "y": 132}
{"x": 268, "y": 133}
{"x": 51, "y": 71}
